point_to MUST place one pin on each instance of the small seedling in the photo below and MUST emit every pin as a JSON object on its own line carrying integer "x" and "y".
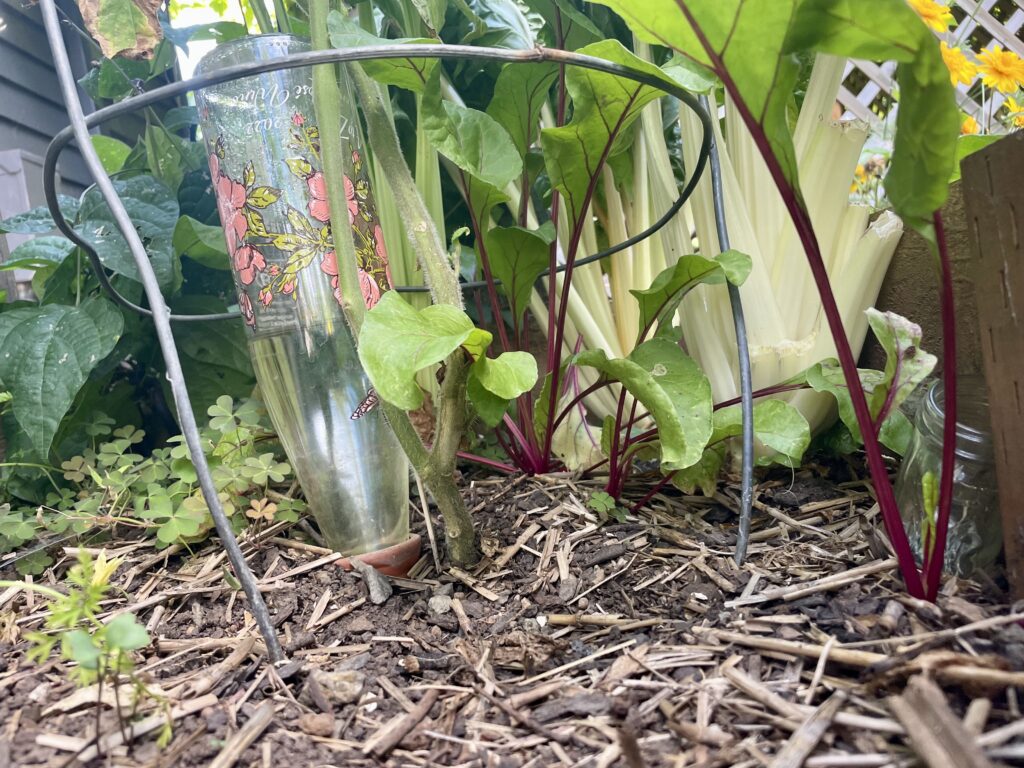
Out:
{"x": 603, "y": 503}
{"x": 101, "y": 653}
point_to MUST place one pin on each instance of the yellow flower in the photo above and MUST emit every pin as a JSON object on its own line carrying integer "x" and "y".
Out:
{"x": 1016, "y": 112}
{"x": 935, "y": 15}
{"x": 1002, "y": 70}
{"x": 969, "y": 125}
{"x": 961, "y": 69}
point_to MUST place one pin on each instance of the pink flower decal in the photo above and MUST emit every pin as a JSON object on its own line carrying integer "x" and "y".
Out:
{"x": 248, "y": 261}
{"x": 350, "y": 198}
{"x": 214, "y": 167}
{"x": 245, "y": 304}
{"x": 355, "y": 157}
{"x": 369, "y": 288}
{"x": 381, "y": 250}
{"x": 329, "y": 266}
{"x": 298, "y": 120}
{"x": 266, "y": 296}
{"x": 288, "y": 287}
{"x": 318, "y": 206}
{"x": 231, "y": 202}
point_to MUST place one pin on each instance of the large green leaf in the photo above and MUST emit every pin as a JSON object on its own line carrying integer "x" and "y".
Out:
{"x": 112, "y": 152}
{"x": 672, "y": 388}
{"x": 517, "y": 257}
{"x": 508, "y": 375}
{"x": 123, "y": 26}
{"x": 412, "y": 74}
{"x": 38, "y": 253}
{"x": 38, "y": 221}
{"x": 604, "y": 107}
{"x": 519, "y": 94}
{"x": 928, "y": 121}
{"x": 471, "y": 139}
{"x": 777, "y": 425}
{"x": 747, "y": 41}
{"x": 46, "y": 354}
{"x": 660, "y": 301}
{"x": 827, "y": 376}
{"x": 124, "y": 633}
{"x": 154, "y": 211}
{"x": 397, "y": 340}
{"x": 203, "y": 243}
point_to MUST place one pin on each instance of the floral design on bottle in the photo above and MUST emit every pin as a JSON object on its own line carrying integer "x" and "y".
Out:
{"x": 307, "y": 238}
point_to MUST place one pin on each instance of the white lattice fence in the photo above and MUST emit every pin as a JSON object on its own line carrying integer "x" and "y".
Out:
{"x": 867, "y": 88}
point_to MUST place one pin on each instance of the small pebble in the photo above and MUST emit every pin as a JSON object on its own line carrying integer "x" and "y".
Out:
{"x": 321, "y": 724}
{"x": 439, "y": 604}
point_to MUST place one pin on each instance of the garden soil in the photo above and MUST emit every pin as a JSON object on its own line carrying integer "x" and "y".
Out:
{"x": 579, "y": 640}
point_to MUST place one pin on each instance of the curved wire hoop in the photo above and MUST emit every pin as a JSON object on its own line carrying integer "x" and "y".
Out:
{"x": 78, "y": 130}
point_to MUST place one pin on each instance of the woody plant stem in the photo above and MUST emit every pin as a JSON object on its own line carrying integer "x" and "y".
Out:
{"x": 435, "y": 465}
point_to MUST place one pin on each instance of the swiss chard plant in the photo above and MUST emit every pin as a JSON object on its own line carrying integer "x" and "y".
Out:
{"x": 722, "y": 36}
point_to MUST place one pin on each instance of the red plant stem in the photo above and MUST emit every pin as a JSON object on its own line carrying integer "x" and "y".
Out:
{"x": 890, "y": 397}
{"x": 614, "y": 487}
{"x": 501, "y": 467}
{"x": 775, "y": 390}
{"x": 802, "y": 223}
{"x": 650, "y": 494}
{"x": 570, "y": 261}
{"x": 933, "y": 565}
{"x": 516, "y": 432}
{"x": 577, "y": 399}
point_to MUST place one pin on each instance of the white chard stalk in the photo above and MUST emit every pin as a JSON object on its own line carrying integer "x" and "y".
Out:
{"x": 787, "y": 327}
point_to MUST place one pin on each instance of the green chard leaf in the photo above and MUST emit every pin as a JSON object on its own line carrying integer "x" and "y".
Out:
{"x": 471, "y": 139}
{"x": 519, "y": 94}
{"x": 660, "y": 301}
{"x": 673, "y": 388}
{"x": 777, "y": 425}
{"x": 517, "y": 257}
{"x": 604, "y": 107}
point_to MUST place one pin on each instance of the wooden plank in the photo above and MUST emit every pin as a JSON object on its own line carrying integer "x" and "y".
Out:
{"x": 994, "y": 202}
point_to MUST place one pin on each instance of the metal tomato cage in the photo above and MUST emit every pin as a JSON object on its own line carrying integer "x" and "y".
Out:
{"x": 78, "y": 131}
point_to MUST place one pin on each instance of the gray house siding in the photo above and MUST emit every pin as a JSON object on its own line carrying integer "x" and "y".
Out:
{"x": 31, "y": 108}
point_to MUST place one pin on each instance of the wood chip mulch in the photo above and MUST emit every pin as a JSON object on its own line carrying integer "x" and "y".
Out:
{"x": 576, "y": 642}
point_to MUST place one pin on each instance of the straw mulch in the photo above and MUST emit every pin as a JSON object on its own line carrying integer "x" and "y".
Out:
{"x": 576, "y": 642}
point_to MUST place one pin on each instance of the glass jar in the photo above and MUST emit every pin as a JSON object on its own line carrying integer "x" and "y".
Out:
{"x": 975, "y": 534}
{"x": 264, "y": 153}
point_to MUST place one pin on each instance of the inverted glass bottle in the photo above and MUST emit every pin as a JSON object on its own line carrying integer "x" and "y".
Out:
{"x": 264, "y": 153}
{"x": 974, "y": 534}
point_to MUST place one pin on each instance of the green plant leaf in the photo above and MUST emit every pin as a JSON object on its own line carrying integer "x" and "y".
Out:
{"x": 747, "y": 39}
{"x": 411, "y": 74}
{"x": 906, "y": 364}
{"x": 39, "y": 253}
{"x": 124, "y": 633}
{"x": 153, "y": 210}
{"x": 508, "y": 375}
{"x": 517, "y": 257}
{"x": 660, "y": 301}
{"x": 202, "y": 243}
{"x": 122, "y": 26}
{"x": 168, "y": 157}
{"x": 604, "y": 107}
{"x": 488, "y": 406}
{"x": 519, "y": 93}
{"x": 81, "y": 648}
{"x": 703, "y": 475}
{"x": 827, "y": 376}
{"x": 38, "y": 221}
{"x": 471, "y": 139}
{"x": 46, "y": 354}
{"x": 777, "y": 425}
{"x": 672, "y": 388}
{"x": 968, "y": 145}
{"x": 928, "y": 121}
{"x": 112, "y": 152}
{"x": 397, "y": 340}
